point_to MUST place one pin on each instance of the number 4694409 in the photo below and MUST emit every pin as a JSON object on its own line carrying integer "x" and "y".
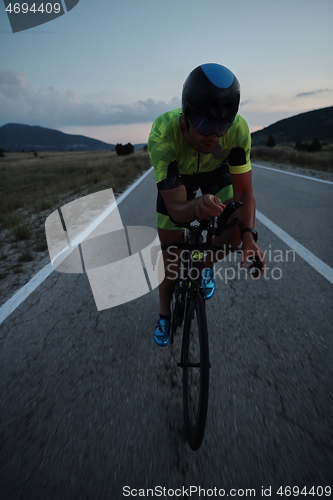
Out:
{"x": 24, "y": 8}
{"x": 295, "y": 491}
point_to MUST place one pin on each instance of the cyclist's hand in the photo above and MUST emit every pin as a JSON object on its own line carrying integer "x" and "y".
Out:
{"x": 252, "y": 257}
{"x": 208, "y": 206}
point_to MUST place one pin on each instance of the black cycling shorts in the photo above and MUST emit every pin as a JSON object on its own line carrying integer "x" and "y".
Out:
{"x": 216, "y": 182}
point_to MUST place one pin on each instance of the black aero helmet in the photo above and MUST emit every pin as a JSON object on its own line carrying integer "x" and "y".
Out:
{"x": 210, "y": 99}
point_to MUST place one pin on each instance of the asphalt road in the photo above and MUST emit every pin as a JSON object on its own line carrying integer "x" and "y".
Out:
{"x": 90, "y": 405}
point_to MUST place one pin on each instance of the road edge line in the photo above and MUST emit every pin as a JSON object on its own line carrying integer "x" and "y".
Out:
{"x": 291, "y": 173}
{"x": 325, "y": 270}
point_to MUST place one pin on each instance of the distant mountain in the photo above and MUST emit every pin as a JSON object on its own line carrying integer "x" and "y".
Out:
{"x": 16, "y": 137}
{"x": 139, "y": 147}
{"x": 305, "y": 127}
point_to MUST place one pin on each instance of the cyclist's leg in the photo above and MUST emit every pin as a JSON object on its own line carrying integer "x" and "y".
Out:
{"x": 170, "y": 233}
{"x": 170, "y": 259}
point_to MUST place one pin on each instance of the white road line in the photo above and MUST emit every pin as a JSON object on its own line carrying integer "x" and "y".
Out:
{"x": 303, "y": 252}
{"x": 16, "y": 300}
{"x": 291, "y": 173}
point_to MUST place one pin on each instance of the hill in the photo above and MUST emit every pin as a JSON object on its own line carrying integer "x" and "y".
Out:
{"x": 139, "y": 147}
{"x": 304, "y": 127}
{"x": 16, "y": 137}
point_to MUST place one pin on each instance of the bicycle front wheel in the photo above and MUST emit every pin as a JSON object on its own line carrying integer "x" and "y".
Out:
{"x": 195, "y": 364}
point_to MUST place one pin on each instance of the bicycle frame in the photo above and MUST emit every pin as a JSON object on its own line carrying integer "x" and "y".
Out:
{"x": 195, "y": 247}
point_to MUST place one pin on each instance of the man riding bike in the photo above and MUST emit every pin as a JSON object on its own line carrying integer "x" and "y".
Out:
{"x": 203, "y": 145}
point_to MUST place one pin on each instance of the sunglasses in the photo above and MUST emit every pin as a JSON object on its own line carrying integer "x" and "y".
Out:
{"x": 206, "y": 127}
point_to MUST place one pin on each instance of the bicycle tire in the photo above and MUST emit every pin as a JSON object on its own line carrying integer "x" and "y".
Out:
{"x": 195, "y": 365}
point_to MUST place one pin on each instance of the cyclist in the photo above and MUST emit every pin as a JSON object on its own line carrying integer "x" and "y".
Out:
{"x": 203, "y": 145}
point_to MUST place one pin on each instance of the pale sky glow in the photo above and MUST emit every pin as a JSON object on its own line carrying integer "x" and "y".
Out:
{"x": 106, "y": 69}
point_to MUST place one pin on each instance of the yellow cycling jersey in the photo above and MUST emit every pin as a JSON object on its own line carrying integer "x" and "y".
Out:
{"x": 166, "y": 145}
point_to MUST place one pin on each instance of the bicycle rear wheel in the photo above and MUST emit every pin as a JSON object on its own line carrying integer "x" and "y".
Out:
{"x": 195, "y": 364}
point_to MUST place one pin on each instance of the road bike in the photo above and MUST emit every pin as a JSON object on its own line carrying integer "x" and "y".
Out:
{"x": 188, "y": 315}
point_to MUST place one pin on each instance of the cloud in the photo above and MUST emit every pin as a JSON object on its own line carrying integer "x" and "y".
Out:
{"x": 313, "y": 92}
{"x": 50, "y": 107}
{"x": 14, "y": 78}
{"x": 246, "y": 102}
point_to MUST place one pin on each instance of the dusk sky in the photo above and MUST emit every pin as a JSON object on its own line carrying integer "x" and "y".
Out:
{"x": 107, "y": 68}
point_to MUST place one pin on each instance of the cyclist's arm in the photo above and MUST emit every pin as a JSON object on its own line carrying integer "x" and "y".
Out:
{"x": 243, "y": 191}
{"x": 182, "y": 210}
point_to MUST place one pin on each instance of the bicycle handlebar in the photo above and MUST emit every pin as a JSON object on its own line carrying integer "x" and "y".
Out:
{"x": 215, "y": 227}
{"x": 222, "y": 220}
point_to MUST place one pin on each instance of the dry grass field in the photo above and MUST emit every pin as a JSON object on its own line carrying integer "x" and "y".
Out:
{"x": 288, "y": 155}
{"x": 32, "y": 182}
{"x": 31, "y": 187}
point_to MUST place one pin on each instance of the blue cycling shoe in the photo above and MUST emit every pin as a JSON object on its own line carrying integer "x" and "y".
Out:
{"x": 162, "y": 331}
{"x": 208, "y": 282}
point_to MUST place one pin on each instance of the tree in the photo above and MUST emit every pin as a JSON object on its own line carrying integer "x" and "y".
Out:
{"x": 270, "y": 142}
{"x": 315, "y": 145}
{"x": 300, "y": 146}
{"x": 121, "y": 150}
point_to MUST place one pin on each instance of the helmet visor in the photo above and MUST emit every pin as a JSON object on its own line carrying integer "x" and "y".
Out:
{"x": 206, "y": 127}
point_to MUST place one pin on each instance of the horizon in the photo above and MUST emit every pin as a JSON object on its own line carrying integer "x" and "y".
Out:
{"x": 113, "y": 143}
